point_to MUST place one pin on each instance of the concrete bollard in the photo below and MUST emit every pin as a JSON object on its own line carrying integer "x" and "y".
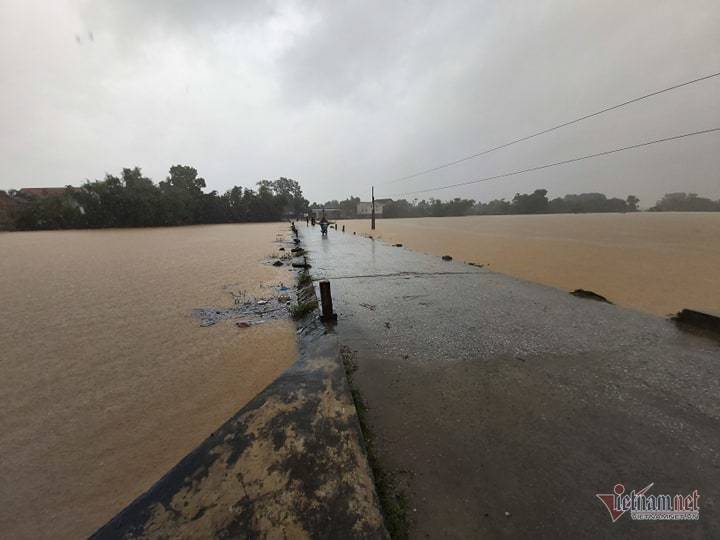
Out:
{"x": 326, "y": 301}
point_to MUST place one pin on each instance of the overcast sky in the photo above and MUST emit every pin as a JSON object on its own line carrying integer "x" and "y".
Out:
{"x": 343, "y": 94}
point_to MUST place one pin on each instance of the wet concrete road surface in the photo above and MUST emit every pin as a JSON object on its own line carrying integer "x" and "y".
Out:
{"x": 504, "y": 406}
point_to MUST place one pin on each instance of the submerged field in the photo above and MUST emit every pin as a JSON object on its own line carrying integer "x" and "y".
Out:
{"x": 106, "y": 379}
{"x": 654, "y": 262}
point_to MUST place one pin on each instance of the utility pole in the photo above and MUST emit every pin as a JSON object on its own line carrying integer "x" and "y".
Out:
{"x": 372, "y": 226}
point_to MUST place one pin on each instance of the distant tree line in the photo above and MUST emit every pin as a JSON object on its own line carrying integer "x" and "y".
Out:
{"x": 536, "y": 202}
{"x": 348, "y": 207}
{"x": 523, "y": 203}
{"x": 430, "y": 208}
{"x": 133, "y": 200}
{"x": 685, "y": 202}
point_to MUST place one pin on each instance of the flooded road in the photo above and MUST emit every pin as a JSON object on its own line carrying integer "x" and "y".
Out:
{"x": 654, "y": 262}
{"x": 107, "y": 380}
{"x": 502, "y": 407}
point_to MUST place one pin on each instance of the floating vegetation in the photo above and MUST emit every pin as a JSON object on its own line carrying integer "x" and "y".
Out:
{"x": 305, "y": 279}
{"x": 248, "y": 311}
{"x": 298, "y": 311}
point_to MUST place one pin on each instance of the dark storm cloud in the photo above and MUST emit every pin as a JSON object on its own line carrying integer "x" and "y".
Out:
{"x": 344, "y": 94}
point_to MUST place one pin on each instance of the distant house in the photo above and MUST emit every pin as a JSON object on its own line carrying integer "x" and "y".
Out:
{"x": 330, "y": 213}
{"x": 364, "y": 209}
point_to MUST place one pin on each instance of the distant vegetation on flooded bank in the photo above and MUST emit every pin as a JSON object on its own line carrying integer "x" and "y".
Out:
{"x": 133, "y": 200}
{"x": 530, "y": 203}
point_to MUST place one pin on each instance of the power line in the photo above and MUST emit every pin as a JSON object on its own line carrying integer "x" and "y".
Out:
{"x": 564, "y": 162}
{"x": 553, "y": 128}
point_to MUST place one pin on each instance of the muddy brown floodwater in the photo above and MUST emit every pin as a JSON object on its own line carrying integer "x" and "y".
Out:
{"x": 654, "y": 262}
{"x": 106, "y": 380}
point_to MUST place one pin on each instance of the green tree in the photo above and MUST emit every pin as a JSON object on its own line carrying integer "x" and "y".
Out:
{"x": 686, "y": 202}
{"x": 534, "y": 203}
{"x": 182, "y": 194}
{"x": 50, "y": 213}
{"x": 133, "y": 200}
{"x": 292, "y": 194}
{"x": 633, "y": 203}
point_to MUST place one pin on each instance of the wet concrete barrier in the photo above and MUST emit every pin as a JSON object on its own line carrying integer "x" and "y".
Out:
{"x": 328, "y": 315}
{"x": 290, "y": 464}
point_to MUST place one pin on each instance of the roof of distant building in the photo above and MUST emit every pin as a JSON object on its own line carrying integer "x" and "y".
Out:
{"x": 377, "y": 201}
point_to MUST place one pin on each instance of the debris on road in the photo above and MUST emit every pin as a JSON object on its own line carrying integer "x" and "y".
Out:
{"x": 300, "y": 263}
{"x": 582, "y": 293}
{"x": 250, "y": 312}
{"x": 701, "y": 319}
